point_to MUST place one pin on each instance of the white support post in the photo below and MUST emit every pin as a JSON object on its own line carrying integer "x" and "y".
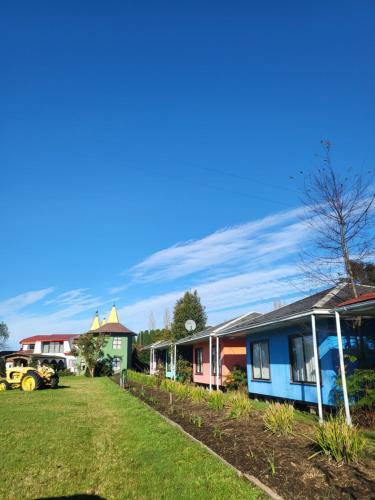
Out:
{"x": 317, "y": 370}
{"x": 210, "y": 364}
{"x": 150, "y": 361}
{"x": 175, "y": 362}
{"x": 217, "y": 363}
{"x": 342, "y": 369}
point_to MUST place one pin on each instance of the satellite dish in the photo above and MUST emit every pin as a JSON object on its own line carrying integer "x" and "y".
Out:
{"x": 190, "y": 325}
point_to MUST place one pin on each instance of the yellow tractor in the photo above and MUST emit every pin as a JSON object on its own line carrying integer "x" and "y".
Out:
{"x": 29, "y": 379}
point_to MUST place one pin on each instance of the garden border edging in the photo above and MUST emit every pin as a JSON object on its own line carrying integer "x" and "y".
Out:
{"x": 252, "y": 479}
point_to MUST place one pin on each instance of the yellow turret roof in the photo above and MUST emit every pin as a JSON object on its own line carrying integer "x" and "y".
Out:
{"x": 104, "y": 322}
{"x": 113, "y": 316}
{"x": 95, "y": 322}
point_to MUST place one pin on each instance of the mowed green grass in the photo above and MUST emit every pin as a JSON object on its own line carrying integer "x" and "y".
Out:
{"x": 93, "y": 438}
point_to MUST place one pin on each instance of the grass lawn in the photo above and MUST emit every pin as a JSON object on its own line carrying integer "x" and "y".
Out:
{"x": 93, "y": 438}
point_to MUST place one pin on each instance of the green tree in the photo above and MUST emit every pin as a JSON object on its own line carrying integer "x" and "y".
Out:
{"x": 90, "y": 348}
{"x": 4, "y": 334}
{"x": 188, "y": 307}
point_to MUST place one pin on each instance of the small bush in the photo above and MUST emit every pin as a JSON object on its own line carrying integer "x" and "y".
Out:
{"x": 338, "y": 440}
{"x": 184, "y": 370}
{"x": 239, "y": 405}
{"x": 142, "y": 378}
{"x": 279, "y": 418}
{"x": 216, "y": 400}
{"x": 237, "y": 379}
{"x": 196, "y": 419}
{"x": 66, "y": 373}
{"x": 182, "y": 391}
{"x": 198, "y": 394}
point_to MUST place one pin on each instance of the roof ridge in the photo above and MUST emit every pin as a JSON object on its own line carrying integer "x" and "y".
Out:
{"x": 331, "y": 292}
{"x": 231, "y": 321}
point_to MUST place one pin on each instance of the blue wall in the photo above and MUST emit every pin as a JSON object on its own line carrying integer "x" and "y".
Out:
{"x": 163, "y": 356}
{"x": 281, "y": 385}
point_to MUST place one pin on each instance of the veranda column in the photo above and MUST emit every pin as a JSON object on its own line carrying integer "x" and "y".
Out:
{"x": 175, "y": 362}
{"x": 217, "y": 363}
{"x": 342, "y": 369}
{"x": 210, "y": 365}
{"x": 150, "y": 361}
{"x": 317, "y": 371}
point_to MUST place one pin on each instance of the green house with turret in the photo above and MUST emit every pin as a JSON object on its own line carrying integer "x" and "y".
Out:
{"x": 118, "y": 346}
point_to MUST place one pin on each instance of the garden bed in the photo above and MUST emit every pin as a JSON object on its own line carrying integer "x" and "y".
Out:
{"x": 280, "y": 462}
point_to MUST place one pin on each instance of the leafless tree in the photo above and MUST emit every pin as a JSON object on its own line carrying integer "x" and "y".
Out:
{"x": 151, "y": 322}
{"x": 167, "y": 319}
{"x": 339, "y": 208}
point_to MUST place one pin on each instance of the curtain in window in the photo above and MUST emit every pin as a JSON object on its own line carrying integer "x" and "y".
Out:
{"x": 309, "y": 359}
{"x": 298, "y": 359}
{"x": 257, "y": 371}
{"x": 265, "y": 360}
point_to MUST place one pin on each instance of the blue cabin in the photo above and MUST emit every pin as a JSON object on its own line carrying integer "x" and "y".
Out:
{"x": 281, "y": 347}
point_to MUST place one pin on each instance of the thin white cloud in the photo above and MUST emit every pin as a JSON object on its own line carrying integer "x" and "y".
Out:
{"x": 235, "y": 270}
{"x": 229, "y": 246}
{"x": 23, "y": 300}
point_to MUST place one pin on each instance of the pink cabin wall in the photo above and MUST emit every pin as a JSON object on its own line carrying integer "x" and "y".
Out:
{"x": 232, "y": 352}
{"x": 203, "y": 378}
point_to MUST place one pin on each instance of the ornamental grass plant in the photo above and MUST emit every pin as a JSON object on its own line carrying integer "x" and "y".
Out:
{"x": 336, "y": 439}
{"x": 279, "y": 418}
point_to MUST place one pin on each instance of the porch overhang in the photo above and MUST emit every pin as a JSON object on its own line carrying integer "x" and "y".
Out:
{"x": 283, "y": 321}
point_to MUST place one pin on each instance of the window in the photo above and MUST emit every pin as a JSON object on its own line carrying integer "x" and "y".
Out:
{"x": 214, "y": 360}
{"x": 302, "y": 358}
{"x": 116, "y": 344}
{"x": 116, "y": 364}
{"x": 53, "y": 347}
{"x": 199, "y": 360}
{"x": 260, "y": 360}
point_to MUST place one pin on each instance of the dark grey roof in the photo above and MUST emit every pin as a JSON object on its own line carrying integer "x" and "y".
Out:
{"x": 326, "y": 299}
{"x": 211, "y": 330}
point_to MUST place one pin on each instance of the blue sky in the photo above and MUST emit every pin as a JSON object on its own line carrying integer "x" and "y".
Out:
{"x": 148, "y": 147}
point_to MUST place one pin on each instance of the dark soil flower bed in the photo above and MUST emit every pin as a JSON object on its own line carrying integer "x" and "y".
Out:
{"x": 282, "y": 463}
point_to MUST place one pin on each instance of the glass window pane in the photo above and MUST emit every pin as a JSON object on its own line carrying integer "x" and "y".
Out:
{"x": 298, "y": 359}
{"x": 265, "y": 360}
{"x": 256, "y": 361}
{"x": 309, "y": 359}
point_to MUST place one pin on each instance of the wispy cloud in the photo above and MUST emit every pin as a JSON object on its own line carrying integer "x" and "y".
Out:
{"x": 23, "y": 300}
{"x": 235, "y": 270}
{"x": 230, "y": 246}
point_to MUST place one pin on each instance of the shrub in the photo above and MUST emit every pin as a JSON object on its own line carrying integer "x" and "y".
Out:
{"x": 239, "y": 405}
{"x": 142, "y": 378}
{"x": 361, "y": 388}
{"x": 279, "y": 418}
{"x": 237, "y": 379}
{"x": 65, "y": 373}
{"x": 182, "y": 391}
{"x": 198, "y": 394}
{"x": 216, "y": 400}
{"x": 338, "y": 440}
{"x": 184, "y": 370}
{"x": 160, "y": 373}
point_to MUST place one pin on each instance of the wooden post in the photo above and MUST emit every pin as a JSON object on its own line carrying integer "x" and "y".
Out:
{"x": 342, "y": 369}
{"x": 175, "y": 362}
{"x": 217, "y": 363}
{"x": 210, "y": 365}
{"x": 317, "y": 371}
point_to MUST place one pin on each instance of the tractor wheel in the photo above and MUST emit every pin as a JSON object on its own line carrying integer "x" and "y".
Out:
{"x": 4, "y": 385}
{"x": 31, "y": 381}
{"x": 54, "y": 382}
